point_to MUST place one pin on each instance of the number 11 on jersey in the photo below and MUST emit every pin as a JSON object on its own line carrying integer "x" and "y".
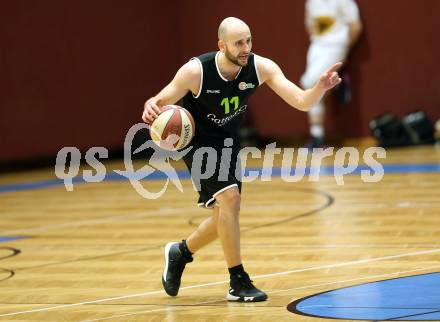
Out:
{"x": 226, "y": 103}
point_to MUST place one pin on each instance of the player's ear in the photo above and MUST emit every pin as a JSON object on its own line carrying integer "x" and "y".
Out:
{"x": 221, "y": 45}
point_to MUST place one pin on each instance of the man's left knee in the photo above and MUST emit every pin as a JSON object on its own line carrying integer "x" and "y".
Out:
{"x": 229, "y": 198}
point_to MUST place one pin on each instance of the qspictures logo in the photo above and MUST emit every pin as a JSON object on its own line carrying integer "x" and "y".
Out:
{"x": 346, "y": 161}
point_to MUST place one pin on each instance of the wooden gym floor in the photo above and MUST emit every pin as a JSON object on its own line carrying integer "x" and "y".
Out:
{"x": 96, "y": 254}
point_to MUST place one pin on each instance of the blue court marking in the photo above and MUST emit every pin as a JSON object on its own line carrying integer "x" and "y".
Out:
{"x": 411, "y": 298}
{"x": 276, "y": 172}
{"x": 4, "y": 239}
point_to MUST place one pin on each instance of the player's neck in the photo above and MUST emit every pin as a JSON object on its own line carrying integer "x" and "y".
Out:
{"x": 228, "y": 69}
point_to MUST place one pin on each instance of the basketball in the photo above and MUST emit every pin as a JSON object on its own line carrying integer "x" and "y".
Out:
{"x": 173, "y": 129}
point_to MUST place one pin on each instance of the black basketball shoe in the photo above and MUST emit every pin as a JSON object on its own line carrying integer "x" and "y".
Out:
{"x": 242, "y": 290}
{"x": 174, "y": 266}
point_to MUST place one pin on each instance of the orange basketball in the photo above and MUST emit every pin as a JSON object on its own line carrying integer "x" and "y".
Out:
{"x": 173, "y": 129}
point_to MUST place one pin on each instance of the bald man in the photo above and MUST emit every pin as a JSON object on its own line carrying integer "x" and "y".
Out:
{"x": 215, "y": 88}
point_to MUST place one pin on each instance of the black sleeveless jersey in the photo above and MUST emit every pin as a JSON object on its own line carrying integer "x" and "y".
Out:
{"x": 219, "y": 107}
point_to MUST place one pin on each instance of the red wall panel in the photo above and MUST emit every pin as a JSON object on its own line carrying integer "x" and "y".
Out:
{"x": 77, "y": 73}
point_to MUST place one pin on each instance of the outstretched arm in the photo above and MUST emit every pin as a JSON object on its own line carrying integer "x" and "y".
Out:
{"x": 187, "y": 79}
{"x": 271, "y": 74}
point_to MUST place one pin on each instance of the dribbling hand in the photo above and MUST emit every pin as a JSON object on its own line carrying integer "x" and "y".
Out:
{"x": 151, "y": 111}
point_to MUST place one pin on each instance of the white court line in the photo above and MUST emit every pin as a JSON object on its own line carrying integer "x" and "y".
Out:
{"x": 183, "y": 307}
{"x": 390, "y": 204}
{"x": 356, "y": 279}
{"x": 363, "y": 261}
{"x": 326, "y": 246}
{"x": 171, "y": 307}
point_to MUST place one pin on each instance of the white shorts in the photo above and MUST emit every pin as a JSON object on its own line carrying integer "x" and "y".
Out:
{"x": 319, "y": 58}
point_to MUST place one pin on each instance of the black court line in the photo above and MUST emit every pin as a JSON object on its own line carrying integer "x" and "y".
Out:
{"x": 13, "y": 252}
{"x": 329, "y": 201}
{"x": 9, "y": 272}
{"x": 292, "y": 306}
{"x": 412, "y": 315}
{"x": 295, "y": 311}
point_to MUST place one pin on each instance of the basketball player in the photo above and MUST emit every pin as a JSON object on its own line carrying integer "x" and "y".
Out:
{"x": 334, "y": 27}
{"x": 215, "y": 88}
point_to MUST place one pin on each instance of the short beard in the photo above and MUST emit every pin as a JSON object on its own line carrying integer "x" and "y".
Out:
{"x": 233, "y": 59}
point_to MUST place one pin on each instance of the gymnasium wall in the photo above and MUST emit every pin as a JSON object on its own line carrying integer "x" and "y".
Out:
{"x": 77, "y": 73}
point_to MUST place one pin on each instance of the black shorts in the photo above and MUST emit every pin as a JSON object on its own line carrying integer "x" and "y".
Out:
{"x": 213, "y": 167}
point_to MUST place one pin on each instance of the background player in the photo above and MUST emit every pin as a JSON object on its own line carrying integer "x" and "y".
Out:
{"x": 334, "y": 27}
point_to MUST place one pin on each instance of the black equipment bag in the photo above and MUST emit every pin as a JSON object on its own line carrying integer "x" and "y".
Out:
{"x": 413, "y": 129}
